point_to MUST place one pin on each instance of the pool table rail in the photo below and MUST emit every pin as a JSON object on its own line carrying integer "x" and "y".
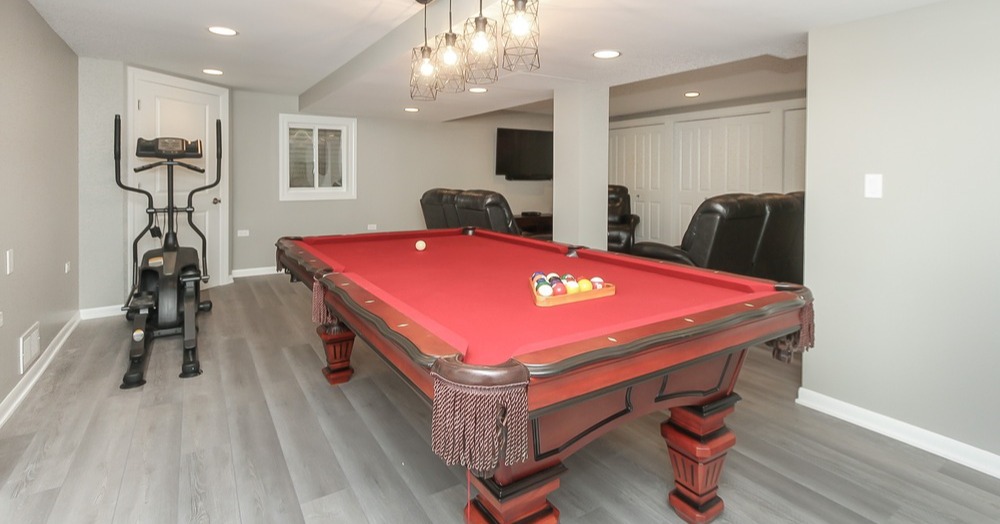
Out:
{"x": 572, "y": 392}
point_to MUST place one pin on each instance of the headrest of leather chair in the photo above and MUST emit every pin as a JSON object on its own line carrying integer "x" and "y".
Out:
{"x": 486, "y": 209}
{"x": 438, "y": 206}
{"x": 619, "y": 204}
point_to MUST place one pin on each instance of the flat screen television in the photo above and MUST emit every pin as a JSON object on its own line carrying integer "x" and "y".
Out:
{"x": 524, "y": 154}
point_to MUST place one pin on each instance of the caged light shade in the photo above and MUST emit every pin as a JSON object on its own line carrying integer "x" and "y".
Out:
{"x": 482, "y": 65}
{"x": 520, "y": 35}
{"x": 449, "y": 59}
{"x": 423, "y": 75}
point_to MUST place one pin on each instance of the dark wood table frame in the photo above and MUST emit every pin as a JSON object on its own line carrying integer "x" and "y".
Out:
{"x": 689, "y": 367}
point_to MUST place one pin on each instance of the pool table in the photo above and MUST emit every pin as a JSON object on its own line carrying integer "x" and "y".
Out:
{"x": 515, "y": 388}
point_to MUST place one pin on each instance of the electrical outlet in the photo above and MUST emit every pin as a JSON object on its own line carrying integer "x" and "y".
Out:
{"x": 67, "y": 268}
{"x": 372, "y": 227}
{"x": 1, "y": 318}
{"x": 242, "y": 232}
{"x": 10, "y": 260}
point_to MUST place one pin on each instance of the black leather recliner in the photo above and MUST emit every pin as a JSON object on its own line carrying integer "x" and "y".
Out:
{"x": 485, "y": 209}
{"x": 722, "y": 235}
{"x": 621, "y": 221}
{"x": 779, "y": 251}
{"x": 438, "y": 206}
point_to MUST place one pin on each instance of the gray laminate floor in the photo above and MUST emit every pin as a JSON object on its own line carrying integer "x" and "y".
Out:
{"x": 261, "y": 437}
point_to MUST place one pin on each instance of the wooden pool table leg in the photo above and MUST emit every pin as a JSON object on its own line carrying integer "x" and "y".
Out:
{"x": 338, "y": 341}
{"x": 521, "y": 501}
{"x": 698, "y": 440}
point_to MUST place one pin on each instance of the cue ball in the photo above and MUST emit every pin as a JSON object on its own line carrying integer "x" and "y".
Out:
{"x": 420, "y": 245}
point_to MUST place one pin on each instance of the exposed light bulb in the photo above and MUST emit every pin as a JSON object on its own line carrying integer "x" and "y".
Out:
{"x": 426, "y": 67}
{"x": 450, "y": 56}
{"x": 520, "y": 25}
{"x": 480, "y": 42}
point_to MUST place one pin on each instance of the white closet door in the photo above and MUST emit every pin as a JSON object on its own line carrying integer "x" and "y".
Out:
{"x": 721, "y": 155}
{"x": 635, "y": 159}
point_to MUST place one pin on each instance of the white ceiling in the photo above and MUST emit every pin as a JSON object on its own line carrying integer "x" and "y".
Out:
{"x": 351, "y": 58}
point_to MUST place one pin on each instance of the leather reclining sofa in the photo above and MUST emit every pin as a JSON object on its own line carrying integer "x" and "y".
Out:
{"x": 447, "y": 208}
{"x": 756, "y": 235}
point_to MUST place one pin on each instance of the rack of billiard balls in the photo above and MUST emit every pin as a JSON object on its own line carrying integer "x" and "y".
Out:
{"x": 552, "y": 289}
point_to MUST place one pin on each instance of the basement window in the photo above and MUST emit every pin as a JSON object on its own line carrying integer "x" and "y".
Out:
{"x": 317, "y": 157}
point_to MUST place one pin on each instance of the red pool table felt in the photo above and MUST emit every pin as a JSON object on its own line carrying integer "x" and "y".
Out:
{"x": 474, "y": 292}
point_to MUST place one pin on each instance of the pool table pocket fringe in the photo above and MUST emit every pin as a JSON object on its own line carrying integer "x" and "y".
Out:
{"x": 474, "y": 425}
{"x": 807, "y": 335}
{"x": 320, "y": 313}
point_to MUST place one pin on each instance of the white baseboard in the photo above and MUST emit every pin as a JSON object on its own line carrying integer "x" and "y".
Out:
{"x": 920, "y": 438}
{"x": 254, "y": 272}
{"x": 20, "y": 391}
{"x": 101, "y": 312}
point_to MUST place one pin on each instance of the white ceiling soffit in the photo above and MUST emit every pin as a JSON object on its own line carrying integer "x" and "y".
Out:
{"x": 352, "y": 58}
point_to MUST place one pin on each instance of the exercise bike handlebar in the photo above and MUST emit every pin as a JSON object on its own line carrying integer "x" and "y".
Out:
{"x": 190, "y": 201}
{"x": 149, "y": 198}
{"x": 151, "y": 210}
{"x": 169, "y": 162}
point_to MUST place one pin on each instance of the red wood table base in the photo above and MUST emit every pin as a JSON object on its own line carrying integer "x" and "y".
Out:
{"x": 672, "y": 338}
{"x": 698, "y": 441}
{"x": 520, "y": 502}
{"x": 338, "y": 341}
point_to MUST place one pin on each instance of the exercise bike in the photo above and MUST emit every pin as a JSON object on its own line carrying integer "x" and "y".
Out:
{"x": 166, "y": 286}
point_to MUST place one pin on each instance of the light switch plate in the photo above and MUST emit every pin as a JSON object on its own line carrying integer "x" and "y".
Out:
{"x": 873, "y": 185}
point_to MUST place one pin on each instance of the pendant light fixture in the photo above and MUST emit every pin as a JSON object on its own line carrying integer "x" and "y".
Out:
{"x": 449, "y": 59}
{"x": 481, "y": 55}
{"x": 520, "y": 35}
{"x": 424, "y": 83}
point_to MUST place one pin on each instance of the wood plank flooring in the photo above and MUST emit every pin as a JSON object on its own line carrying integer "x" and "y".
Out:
{"x": 261, "y": 437}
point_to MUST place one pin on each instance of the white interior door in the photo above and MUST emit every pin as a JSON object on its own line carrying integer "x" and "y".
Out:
{"x": 165, "y": 106}
{"x": 635, "y": 162}
{"x": 721, "y": 155}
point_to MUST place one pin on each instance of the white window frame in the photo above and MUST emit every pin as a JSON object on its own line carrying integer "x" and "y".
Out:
{"x": 348, "y": 128}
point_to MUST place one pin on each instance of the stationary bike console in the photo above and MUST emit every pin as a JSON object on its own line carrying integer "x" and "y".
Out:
{"x": 168, "y": 148}
{"x": 166, "y": 286}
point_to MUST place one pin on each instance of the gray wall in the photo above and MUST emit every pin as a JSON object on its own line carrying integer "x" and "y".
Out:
{"x": 103, "y": 255}
{"x": 38, "y": 182}
{"x": 907, "y": 287}
{"x": 397, "y": 161}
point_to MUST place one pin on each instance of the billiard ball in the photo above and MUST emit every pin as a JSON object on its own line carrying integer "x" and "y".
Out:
{"x": 572, "y": 287}
{"x": 544, "y": 290}
{"x": 597, "y": 282}
{"x": 585, "y": 285}
{"x": 420, "y": 245}
{"x": 558, "y": 288}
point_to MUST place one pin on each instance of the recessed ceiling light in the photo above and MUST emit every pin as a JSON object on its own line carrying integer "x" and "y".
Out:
{"x": 692, "y": 94}
{"x": 222, "y": 31}
{"x": 605, "y": 54}
{"x": 411, "y": 109}
{"x": 213, "y": 72}
{"x": 478, "y": 90}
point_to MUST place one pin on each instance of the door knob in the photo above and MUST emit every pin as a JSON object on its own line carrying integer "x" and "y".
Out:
{"x": 216, "y": 200}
